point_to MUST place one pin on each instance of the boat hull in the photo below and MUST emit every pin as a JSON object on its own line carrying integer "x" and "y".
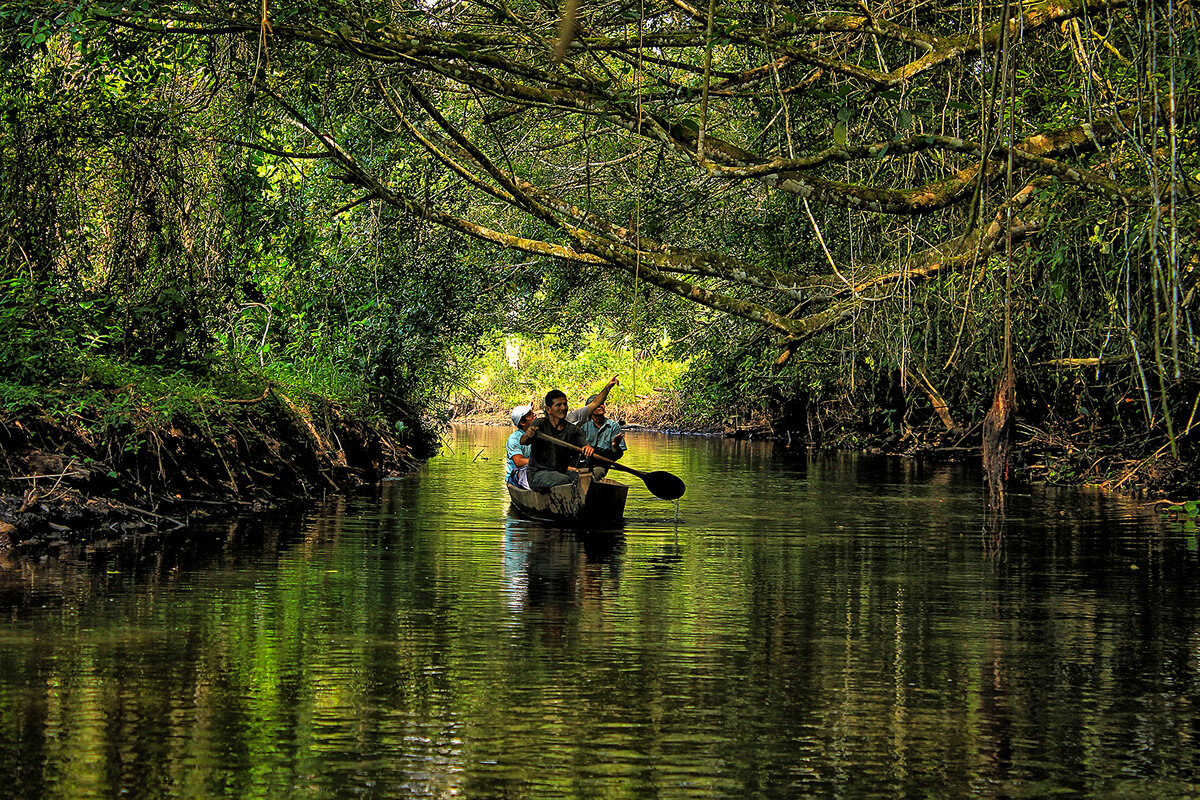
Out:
{"x": 585, "y": 502}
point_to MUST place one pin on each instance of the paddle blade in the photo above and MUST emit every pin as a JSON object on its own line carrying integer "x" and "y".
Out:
{"x": 664, "y": 485}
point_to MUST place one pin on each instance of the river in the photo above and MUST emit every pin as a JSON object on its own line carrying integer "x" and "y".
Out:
{"x": 802, "y": 625}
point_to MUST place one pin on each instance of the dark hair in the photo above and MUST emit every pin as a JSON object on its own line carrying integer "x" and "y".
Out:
{"x": 553, "y": 395}
{"x": 590, "y": 399}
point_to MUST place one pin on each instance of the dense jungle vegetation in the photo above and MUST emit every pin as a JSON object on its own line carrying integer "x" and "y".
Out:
{"x": 852, "y": 221}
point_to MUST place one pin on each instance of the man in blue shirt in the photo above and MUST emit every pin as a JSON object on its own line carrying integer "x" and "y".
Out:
{"x": 517, "y": 457}
{"x": 602, "y": 433}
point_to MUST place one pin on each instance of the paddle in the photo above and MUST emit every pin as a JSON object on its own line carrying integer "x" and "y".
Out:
{"x": 660, "y": 484}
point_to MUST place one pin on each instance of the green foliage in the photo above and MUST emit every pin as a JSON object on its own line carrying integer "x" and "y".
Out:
{"x": 1184, "y": 519}
{"x": 519, "y": 370}
{"x": 169, "y": 212}
{"x": 147, "y": 246}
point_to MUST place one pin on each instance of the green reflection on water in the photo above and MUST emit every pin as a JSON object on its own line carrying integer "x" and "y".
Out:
{"x": 823, "y": 627}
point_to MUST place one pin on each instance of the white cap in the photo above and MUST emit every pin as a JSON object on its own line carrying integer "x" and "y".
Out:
{"x": 519, "y": 413}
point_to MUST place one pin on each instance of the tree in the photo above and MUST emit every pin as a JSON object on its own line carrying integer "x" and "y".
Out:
{"x": 909, "y": 143}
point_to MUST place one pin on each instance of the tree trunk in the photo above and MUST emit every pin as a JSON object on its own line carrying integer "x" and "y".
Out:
{"x": 997, "y": 430}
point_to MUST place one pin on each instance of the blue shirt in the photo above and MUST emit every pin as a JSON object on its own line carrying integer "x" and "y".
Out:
{"x": 602, "y": 437}
{"x": 515, "y": 447}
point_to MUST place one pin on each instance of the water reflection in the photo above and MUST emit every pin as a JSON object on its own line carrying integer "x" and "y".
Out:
{"x": 811, "y": 626}
{"x": 553, "y": 572}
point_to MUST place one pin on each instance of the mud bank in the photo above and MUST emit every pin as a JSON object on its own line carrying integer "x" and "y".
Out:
{"x": 85, "y": 476}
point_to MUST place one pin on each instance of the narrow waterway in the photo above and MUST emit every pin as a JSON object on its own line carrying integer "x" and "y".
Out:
{"x": 803, "y": 625}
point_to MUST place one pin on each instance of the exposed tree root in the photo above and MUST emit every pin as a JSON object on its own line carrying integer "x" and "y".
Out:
{"x": 72, "y": 479}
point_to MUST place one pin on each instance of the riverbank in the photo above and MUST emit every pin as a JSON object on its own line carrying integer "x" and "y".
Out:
{"x": 111, "y": 462}
{"x": 1039, "y": 455}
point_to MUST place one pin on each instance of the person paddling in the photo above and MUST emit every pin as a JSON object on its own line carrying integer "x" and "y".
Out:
{"x": 549, "y": 464}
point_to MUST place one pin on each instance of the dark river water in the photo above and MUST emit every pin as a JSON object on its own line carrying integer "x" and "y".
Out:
{"x": 803, "y": 626}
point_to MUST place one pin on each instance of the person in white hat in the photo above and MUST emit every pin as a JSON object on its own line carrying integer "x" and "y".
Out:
{"x": 517, "y": 459}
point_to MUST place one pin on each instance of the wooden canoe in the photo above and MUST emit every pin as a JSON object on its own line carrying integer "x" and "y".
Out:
{"x": 585, "y": 502}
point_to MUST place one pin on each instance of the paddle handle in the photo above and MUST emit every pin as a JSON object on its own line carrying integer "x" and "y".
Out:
{"x": 660, "y": 484}
{"x": 596, "y": 456}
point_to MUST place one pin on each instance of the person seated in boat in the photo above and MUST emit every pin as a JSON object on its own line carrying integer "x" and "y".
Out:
{"x": 517, "y": 456}
{"x": 549, "y": 464}
{"x": 578, "y": 416}
{"x": 602, "y": 433}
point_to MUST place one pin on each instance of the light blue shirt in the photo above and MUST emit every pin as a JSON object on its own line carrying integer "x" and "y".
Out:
{"x": 516, "y": 475}
{"x": 602, "y": 437}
